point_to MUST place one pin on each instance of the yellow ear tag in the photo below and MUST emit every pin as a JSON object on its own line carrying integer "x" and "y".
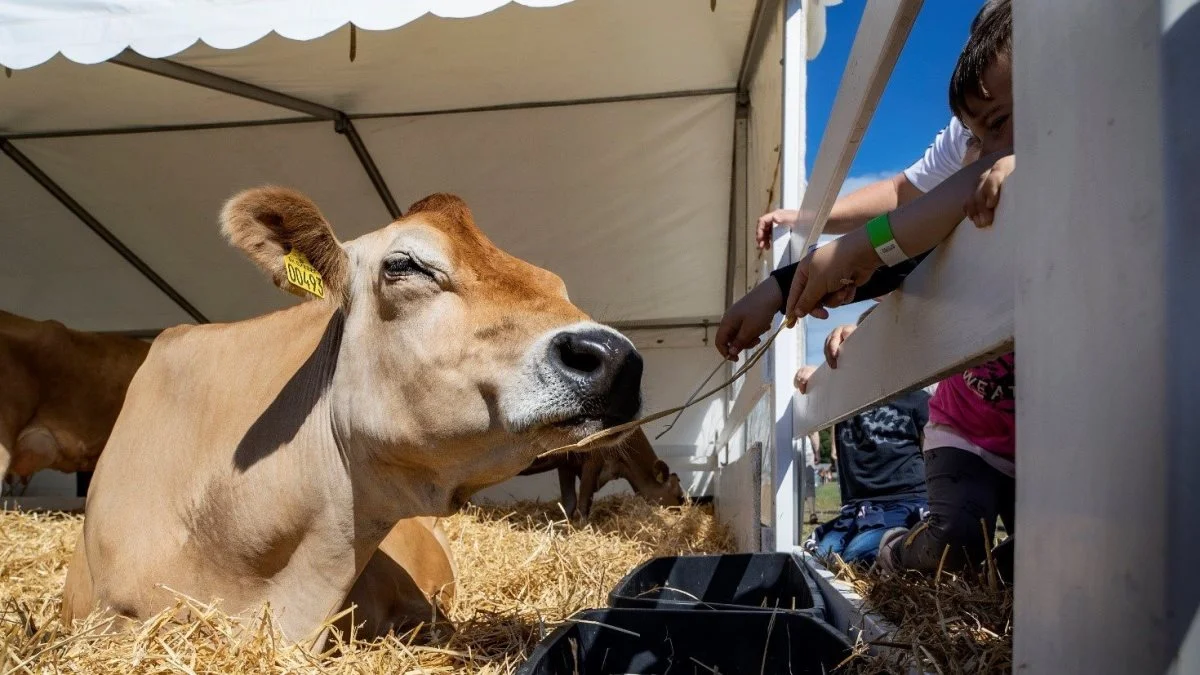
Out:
{"x": 302, "y": 275}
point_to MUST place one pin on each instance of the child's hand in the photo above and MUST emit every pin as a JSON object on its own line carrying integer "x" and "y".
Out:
{"x": 981, "y": 206}
{"x": 833, "y": 343}
{"x": 828, "y": 276}
{"x": 788, "y": 218}
{"x": 802, "y": 377}
{"x": 748, "y": 318}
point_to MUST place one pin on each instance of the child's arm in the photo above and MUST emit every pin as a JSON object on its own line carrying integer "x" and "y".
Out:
{"x": 883, "y": 281}
{"x": 944, "y": 156}
{"x": 916, "y": 227}
{"x": 848, "y": 212}
{"x": 749, "y": 318}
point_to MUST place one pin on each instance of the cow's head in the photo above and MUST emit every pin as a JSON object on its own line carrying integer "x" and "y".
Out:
{"x": 666, "y": 490}
{"x": 650, "y": 476}
{"x": 457, "y": 360}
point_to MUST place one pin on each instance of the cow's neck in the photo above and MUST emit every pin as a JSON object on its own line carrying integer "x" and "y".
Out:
{"x": 288, "y": 518}
{"x": 640, "y": 478}
{"x": 637, "y": 467}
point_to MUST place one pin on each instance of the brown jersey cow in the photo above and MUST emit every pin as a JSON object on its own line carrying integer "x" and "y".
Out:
{"x": 274, "y": 455}
{"x": 634, "y": 460}
{"x": 63, "y": 391}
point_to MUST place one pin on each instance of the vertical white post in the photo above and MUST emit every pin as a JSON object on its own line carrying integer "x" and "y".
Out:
{"x": 1181, "y": 101}
{"x": 784, "y": 353}
{"x": 1097, "y": 261}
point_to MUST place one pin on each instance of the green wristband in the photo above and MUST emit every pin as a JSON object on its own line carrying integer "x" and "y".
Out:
{"x": 879, "y": 232}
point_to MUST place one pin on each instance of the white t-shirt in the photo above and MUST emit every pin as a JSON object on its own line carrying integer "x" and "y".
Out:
{"x": 942, "y": 159}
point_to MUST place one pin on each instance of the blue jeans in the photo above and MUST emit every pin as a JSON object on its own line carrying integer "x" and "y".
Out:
{"x": 855, "y": 533}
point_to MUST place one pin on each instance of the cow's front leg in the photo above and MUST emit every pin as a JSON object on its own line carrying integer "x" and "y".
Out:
{"x": 589, "y": 482}
{"x": 7, "y": 445}
{"x": 566, "y": 487}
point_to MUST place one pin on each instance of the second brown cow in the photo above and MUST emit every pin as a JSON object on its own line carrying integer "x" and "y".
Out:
{"x": 634, "y": 460}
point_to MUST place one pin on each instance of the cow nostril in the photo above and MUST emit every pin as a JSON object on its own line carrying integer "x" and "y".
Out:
{"x": 603, "y": 368}
{"x": 580, "y": 355}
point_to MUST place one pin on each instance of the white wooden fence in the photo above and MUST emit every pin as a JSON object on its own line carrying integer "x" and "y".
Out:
{"x": 1095, "y": 234}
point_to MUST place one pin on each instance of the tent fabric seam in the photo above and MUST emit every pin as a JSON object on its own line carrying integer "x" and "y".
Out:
{"x": 503, "y": 107}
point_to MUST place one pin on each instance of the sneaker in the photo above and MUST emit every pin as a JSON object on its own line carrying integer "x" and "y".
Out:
{"x": 886, "y": 560}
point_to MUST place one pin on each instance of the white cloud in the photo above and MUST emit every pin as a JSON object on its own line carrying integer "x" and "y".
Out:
{"x": 855, "y": 182}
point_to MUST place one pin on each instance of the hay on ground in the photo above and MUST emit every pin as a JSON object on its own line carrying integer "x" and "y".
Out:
{"x": 948, "y": 623}
{"x": 522, "y": 570}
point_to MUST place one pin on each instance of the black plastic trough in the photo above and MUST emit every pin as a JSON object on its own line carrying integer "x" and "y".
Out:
{"x": 655, "y": 642}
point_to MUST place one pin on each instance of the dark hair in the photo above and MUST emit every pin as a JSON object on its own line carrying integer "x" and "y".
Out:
{"x": 991, "y": 39}
{"x": 986, "y": 9}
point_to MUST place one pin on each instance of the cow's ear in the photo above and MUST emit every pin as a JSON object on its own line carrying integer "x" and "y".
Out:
{"x": 284, "y": 233}
{"x": 661, "y": 471}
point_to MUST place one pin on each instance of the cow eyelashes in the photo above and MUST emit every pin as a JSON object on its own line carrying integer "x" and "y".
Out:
{"x": 402, "y": 267}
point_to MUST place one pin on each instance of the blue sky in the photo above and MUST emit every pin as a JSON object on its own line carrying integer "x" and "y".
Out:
{"x": 913, "y": 108}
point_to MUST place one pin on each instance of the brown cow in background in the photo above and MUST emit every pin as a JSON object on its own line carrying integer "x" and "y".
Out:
{"x": 60, "y": 393}
{"x": 634, "y": 460}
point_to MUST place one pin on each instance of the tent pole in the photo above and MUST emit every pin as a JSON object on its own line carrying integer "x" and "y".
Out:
{"x": 88, "y": 219}
{"x": 765, "y": 12}
{"x": 242, "y": 124}
{"x": 345, "y": 127}
{"x": 735, "y": 269}
{"x": 202, "y": 78}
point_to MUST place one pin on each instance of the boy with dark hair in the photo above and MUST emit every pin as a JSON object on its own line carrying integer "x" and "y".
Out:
{"x": 949, "y": 152}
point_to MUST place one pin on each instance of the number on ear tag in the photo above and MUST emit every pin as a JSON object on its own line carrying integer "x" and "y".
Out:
{"x": 302, "y": 275}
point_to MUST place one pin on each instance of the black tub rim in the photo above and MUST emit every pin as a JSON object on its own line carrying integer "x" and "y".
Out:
{"x": 817, "y": 610}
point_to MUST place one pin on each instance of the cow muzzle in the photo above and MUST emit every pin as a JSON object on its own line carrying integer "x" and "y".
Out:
{"x": 603, "y": 369}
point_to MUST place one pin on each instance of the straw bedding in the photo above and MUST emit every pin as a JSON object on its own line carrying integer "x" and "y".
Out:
{"x": 522, "y": 570}
{"x": 948, "y": 623}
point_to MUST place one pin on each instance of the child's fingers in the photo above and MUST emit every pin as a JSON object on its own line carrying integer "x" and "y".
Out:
{"x": 832, "y": 346}
{"x": 971, "y": 210}
{"x": 730, "y": 325}
{"x": 741, "y": 344}
{"x": 802, "y": 377}
{"x": 991, "y": 192}
{"x": 805, "y": 296}
{"x": 841, "y": 297}
{"x": 762, "y": 236}
{"x": 799, "y": 283}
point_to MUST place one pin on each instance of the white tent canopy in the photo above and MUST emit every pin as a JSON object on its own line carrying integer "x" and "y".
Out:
{"x": 592, "y": 137}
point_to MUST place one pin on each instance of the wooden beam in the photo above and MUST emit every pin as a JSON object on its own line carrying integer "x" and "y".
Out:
{"x": 881, "y": 36}
{"x": 954, "y": 310}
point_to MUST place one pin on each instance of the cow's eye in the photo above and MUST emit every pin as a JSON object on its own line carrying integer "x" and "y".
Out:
{"x": 400, "y": 267}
